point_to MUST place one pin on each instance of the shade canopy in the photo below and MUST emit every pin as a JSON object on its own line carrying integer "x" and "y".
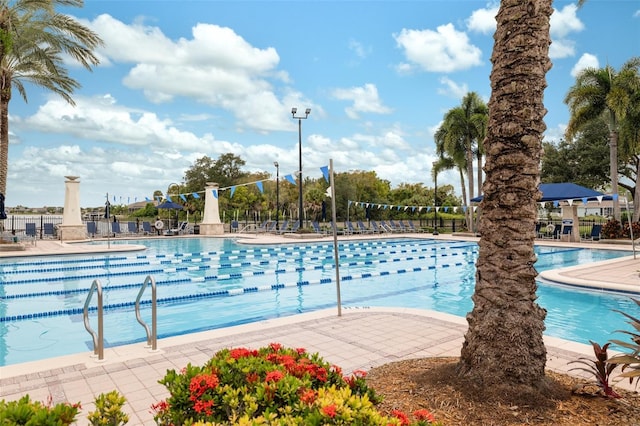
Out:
{"x": 170, "y": 205}
{"x": 565, "y": 191}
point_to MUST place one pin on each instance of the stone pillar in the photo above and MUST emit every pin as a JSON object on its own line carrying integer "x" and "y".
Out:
{"x": 211, "y": 224}
{"x": 570, "y": 216}
{"x": 72, "y": 227}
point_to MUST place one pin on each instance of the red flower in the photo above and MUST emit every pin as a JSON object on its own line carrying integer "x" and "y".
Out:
{"x": 307, "y": 396}
{"x": 301, "y": 351}
{"x": 241, "y": 353}
{"x": 252, "y": 377}
{"x": 203, "y": 406}
{"x": 329, "y": 410}
{"x": 404, "y": 419}
{"x": 274, "y": 376}
{"x": 160, "y": 407}
{"x": 360, "y": 374}
{"x": 424, "y": 414}
{"x": 201, "y": 383}
{"x": 275, "y": 346}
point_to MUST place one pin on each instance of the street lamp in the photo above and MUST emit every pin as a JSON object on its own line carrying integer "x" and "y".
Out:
{"x": 300, "y": 118}
{"x": 435, "y": 197}
{"x": 275, "y": 163}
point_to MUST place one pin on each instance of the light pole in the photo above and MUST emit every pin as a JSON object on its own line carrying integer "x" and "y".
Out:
{"x": 435, "y": 197}
{"x": 300, "y": 118}
{"x": 275, "y": 163}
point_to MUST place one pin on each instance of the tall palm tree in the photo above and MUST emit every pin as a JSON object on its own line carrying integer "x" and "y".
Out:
{"x": 464, "y": 129}
{"x": 603, "y": 92}
{"x": 33, "y": 40}
{"x": 503, "y": 348}
{"x": 451, "y": 156}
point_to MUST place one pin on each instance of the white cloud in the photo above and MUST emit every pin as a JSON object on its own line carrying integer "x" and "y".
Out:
{"x": 563, "y": 23}
{"x": 365, "y": 99}
{"x": 223, "y": 69}
{"x": 452, "y": 89}
{"x": 483, "y": 20}
{"x": 359, "y": 49}
{"x": 587, "y": 60}
{"x": 443, "y": 50}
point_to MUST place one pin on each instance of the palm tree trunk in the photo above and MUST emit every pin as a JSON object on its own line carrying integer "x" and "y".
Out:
{"x": 5, "y": 95}
{"x": 613, "y": 170}
{"x": 503, "y": 347}
{"x": 470, "y": 177}
{"x": 463, "y": 187}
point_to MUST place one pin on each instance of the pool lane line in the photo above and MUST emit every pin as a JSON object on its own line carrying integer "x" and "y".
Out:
{"x": 231, "y": 292}
{"x": 112, "y": 268}
{"x": 222, "y": 277}
{"x": 209, "y": 267}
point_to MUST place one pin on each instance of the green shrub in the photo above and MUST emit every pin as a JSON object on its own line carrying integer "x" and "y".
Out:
{"x": 270, "y": 386}
{"x": 35, "y": 413}
{"x": 108, "y": 410}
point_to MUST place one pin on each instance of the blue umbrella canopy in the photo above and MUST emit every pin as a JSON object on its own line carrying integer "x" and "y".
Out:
{"x": 564, "y": 191}
{"x": 170, "y": 205}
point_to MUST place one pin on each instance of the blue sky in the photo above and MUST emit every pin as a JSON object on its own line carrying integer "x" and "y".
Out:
{"x": 181, "y": 79}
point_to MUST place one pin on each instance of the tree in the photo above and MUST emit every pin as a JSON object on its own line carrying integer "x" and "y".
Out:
{"x": 604, "y": 92}
{"x": 462, "y": 132}
{"x": 33, "y": 39}
{"x": 584, "y": 161}
{"x": 503, "y": 348}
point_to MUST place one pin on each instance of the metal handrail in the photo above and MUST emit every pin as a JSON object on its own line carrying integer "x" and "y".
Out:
{"x": 98, "y": 339}
{"x": 152, "y": 336}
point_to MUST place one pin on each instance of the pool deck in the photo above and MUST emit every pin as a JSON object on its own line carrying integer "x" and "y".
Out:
{"x": 360, "y": 338}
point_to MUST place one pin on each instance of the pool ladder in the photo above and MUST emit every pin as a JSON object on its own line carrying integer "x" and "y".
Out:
{"x": 98, "y": 338}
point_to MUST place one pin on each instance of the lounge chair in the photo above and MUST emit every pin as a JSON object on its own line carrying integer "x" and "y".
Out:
{"x": 596, "y": 230}
{"x": 30, "y": 230}
{"x": 283, "y": 227}
{"x": 364, "y": 229}
{"x": 115, "y": 228}
{"x": 234, "y": 226}
{"x": 377, "y": 227}
{"x": 49, "y": 230}
{"x": 566, "y": 232}
{"x": 132, "y": 228}
{"x": 263, "y": 227}
{"x": 316, "y": 228}
{"x": 146, "y": 227}
{"x": 181, "y": 229}
{"x": 92, "y": 229}
{"x": 351, "y": 229}
{"x": 294, "y": 228}
{"x": 412, "y": 227}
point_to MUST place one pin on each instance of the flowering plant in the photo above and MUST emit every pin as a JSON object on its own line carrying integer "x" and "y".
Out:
{"x": 271, "y": 385}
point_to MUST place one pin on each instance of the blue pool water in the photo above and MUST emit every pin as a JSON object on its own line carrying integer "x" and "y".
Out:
{"x": 206, "y": 283}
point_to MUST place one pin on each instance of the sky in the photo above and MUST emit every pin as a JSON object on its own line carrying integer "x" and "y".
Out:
{"x": 181, "y": 79}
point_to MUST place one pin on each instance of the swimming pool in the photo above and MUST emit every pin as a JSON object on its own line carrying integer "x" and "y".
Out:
{"x": 206, "y": 283}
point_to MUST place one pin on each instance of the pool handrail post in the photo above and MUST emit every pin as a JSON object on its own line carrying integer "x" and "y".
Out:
{"x": 98, "y": 339}
{"x": 152, "y": 335}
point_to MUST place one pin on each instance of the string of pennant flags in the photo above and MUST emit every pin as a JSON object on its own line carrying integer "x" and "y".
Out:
{"x": 454, "y": 209}
{"x": 258, "y": 183}
{"x": 446, "y": 209}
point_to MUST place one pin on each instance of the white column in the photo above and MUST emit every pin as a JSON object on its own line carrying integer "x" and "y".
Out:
{"x": 211, "y": 224}
{"x": 72, "y": 227}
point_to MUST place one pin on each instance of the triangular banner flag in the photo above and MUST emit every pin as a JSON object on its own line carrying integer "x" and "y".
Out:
{"x": 556, "y": 203}
{"x": 464, "y": 209}
{"x": 325, "y": 172}
{"x": 290, "y": 179}
{"x": 184, "y": 198}
{"x": 570, "y": 202}
{"x": 599, "y": 198}
{"x": 168, "y": 198}
{"x": 446, "y": 209}
{"x": 328, "y": 192}
{"x": 195, "y": 195}
{"x": 615, "y": 197}
{"x": 584, "y": 200}
{"x": 260, "y": 188}
{"x": 233, "y": 189}
{"x": 215, "y": 193}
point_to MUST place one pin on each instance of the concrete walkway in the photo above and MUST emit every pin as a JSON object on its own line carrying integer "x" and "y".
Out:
{"x": 362, "y": 338}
